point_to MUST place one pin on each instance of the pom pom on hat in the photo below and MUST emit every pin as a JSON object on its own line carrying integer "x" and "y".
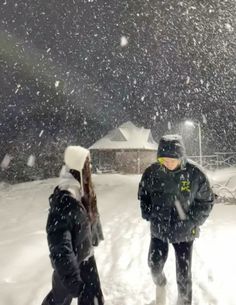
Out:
{"x": 75, "y": 157}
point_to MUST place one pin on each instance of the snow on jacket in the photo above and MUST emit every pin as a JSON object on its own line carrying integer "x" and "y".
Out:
{"x": 69, "y": 237}
{"x": 175, "y": 202}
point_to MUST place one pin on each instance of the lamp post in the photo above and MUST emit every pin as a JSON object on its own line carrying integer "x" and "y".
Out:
{"x": 191, "y": 123}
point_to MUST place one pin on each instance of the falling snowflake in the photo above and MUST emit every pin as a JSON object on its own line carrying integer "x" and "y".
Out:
{"x": 57, "y": 83}
{"x": 17, "y": 88}
{"x": 123, "y": 41}
{"x": 204, "y": 119}
{"x": 229, "y": 27}
{"x": 31, "y": 161}
{"x": 41, "y": 133}
{"x": 6, "y": 161}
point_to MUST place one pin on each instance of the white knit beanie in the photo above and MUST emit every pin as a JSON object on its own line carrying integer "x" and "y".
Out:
{"x": 75, "y": 157}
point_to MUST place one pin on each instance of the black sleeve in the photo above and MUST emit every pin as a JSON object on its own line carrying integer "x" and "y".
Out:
{"x": 144, "y": 197}
{"x": 59, "y": 228}
{"x": 203, "y": 201}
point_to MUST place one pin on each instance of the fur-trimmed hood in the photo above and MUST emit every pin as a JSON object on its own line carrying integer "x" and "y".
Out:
{"x": 68, "y": 183}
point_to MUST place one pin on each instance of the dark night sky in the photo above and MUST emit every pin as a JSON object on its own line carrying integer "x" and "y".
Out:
{"x": 179, "y": 64}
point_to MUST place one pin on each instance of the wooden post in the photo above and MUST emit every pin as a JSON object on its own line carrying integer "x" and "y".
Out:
{"x": 138, "y": 162}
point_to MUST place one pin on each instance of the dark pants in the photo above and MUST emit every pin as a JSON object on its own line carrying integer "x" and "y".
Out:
{"x": 157, "y": 257}
{"x": 89, "y": 274}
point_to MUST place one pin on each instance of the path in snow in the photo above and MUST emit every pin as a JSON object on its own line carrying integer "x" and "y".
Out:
{"x": 122, "y": 257}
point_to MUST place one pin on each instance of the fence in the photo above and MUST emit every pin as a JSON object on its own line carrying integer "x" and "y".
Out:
{"x": 217, "y": 160}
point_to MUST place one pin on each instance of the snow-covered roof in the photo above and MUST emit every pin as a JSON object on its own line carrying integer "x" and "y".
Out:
{"x": 127, "y": 136}
{"x": 172, "y": 137}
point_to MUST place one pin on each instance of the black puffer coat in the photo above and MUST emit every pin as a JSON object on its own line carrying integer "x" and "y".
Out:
{"x": 175, "y": 202}
{"x": 69, "y": 238}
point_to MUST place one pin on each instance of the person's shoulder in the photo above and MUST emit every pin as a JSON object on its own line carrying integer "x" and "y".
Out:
{"x": 63, "y": 200}
{"x": 154, "y": 167}
{"x": 68, "y": 201}
{"x": 151, "y": 172}
{"x": 72, "y": 209}
{"x": 195, "y": 169}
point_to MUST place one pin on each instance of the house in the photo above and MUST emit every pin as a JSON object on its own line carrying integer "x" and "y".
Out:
{"x": 126, "y": 149}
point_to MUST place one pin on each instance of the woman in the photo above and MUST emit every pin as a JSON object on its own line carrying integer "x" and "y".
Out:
{"x": 72, "y": 214}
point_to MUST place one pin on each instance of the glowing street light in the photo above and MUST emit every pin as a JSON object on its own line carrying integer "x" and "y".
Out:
{"x": 193, "y": 124}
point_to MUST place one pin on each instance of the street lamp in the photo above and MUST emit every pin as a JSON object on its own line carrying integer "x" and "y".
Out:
{"x": 193, "y": 124}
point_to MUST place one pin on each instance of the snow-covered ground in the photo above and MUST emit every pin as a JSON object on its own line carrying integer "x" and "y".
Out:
{"x": 25, "y": 275}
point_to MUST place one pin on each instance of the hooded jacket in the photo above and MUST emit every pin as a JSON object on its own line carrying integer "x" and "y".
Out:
{"x": 175, "y": 202}
{"x": 69, "y": 235}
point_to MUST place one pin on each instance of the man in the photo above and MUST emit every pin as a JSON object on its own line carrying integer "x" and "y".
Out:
{"x": 175, "y": 196}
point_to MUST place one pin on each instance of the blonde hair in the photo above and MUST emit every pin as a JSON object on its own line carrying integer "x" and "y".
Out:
{"x": 161, "y": 160}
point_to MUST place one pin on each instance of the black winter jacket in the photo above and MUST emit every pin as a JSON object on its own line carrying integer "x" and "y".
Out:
{"x": 175, "y": 202}
{"x": 69, "y": 238}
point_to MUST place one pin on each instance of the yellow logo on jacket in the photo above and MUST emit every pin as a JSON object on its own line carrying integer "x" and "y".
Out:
{"x": 185, "y": 186}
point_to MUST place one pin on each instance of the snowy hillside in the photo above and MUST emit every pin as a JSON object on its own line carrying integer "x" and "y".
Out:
{"x": 25, "y": 267}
